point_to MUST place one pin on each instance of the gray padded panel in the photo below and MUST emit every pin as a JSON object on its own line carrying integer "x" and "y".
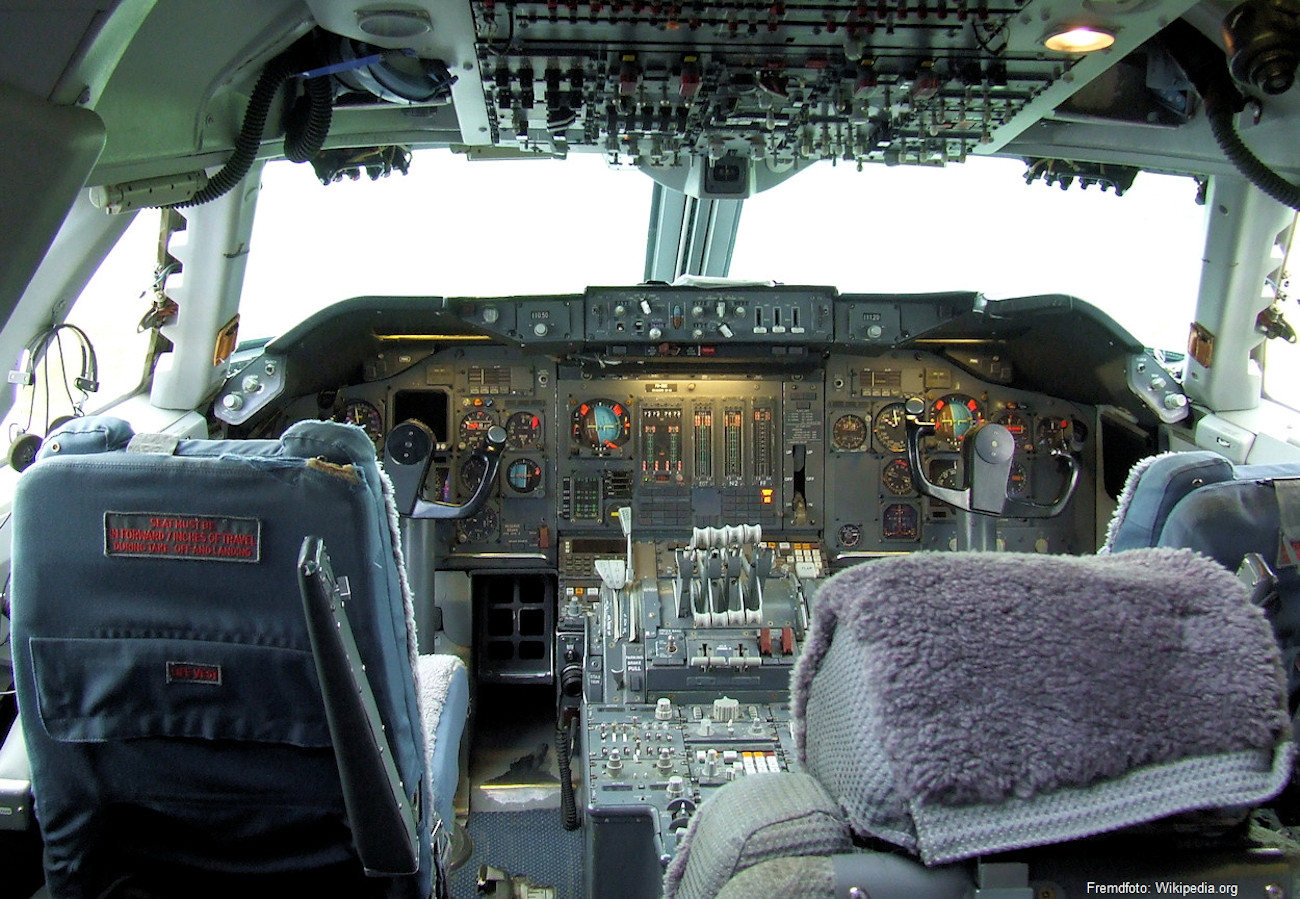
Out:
{"x": 751, "y": 820}
{"x": 803, "y": 877}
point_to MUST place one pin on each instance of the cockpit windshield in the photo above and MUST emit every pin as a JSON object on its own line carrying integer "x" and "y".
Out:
{"x": 453, "y": 227}
{"x": 450, "y": 227}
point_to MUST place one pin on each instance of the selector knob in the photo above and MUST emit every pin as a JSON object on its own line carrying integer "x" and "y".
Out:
{"x": 676, "y": 786}
{"x": 706, "y": 727}
{"x": 665, "y": 762}
{"x": 664, "y": 709}
{"x": 645, "y": 306}
{"x": 725, "y": 330}
{"x": 614, "y": 764}
{"x": 711, "y": 763}
{"x": 620, "y": 309}
{"x": 656, "y": 332}
{"x": 721, "y": 309}
{"x": 697, "y": 310}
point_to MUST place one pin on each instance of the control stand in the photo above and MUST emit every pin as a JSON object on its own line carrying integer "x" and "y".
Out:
{"x": 987, "y": 451}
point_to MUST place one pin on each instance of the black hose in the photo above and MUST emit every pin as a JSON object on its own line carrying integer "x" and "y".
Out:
{"x": 568, "y": 802}
{"x": 249, "y": 141}
{"x": 1207, "y": 68}
{"x": 309, "y": 123}
{"x": 1256, "y": 172}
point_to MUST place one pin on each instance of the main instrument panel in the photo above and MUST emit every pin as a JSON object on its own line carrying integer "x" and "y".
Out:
{"x": 813, "y": 452}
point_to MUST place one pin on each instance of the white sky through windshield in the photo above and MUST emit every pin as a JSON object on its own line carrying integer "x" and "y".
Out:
{"x": 458, "y": 228}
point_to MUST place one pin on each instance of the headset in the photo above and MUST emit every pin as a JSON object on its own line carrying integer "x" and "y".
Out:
{"x": 24, "y": 445}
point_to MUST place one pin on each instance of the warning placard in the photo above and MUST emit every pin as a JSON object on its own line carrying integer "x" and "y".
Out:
{"x": 161, "y": 535}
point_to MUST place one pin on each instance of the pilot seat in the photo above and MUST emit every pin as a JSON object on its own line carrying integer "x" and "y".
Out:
{"x": 180, "y": 739}
{"x": 1016, "y": 726}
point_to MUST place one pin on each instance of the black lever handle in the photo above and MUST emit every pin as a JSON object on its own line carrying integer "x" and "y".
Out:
{"x": 987, "y": 453}
{"x": 407, "y": 454}
{"x": 490, "y": 455}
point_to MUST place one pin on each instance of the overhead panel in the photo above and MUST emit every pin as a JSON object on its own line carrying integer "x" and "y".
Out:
{"x": 776, "y": 85}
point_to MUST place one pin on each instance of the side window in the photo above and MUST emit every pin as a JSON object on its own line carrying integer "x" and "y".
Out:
{"x": 1282, "y": 358}
{"x": 108, "y": 312}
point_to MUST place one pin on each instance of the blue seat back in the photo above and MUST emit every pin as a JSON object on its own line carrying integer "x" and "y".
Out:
{"x": 164, "y": 674}
{"x": 1201, "y": 501}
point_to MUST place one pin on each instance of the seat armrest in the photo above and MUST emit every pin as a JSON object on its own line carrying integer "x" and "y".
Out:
{"x": 382, "y": 818}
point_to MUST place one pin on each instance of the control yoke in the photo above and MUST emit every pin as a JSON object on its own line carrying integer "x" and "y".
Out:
{"x": 407, "y": 453}
{"x": 987, "y": 452}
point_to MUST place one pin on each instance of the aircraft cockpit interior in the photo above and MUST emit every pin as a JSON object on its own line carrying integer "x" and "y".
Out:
{"x": 560, "y": 450}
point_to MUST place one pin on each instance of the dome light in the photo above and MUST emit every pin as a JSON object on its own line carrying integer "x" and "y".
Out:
{"x": 1079, "y": 39}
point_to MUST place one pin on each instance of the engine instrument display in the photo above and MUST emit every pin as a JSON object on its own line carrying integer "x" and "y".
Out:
{"x": 601, "y": 424}
{"x": 891, "y": 428}
{"x": 523, "y": 430}
{"x": 474, "y": 428}
{"x": 849, "y": 432}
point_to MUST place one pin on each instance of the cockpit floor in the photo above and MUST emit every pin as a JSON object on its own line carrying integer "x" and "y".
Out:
{"x": 524, "y": 844}
{"x": 514, "y": 821}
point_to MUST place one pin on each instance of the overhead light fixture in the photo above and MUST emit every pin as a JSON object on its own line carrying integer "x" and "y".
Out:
{"x": 1079, "y": 39}
{"x": 394, "y": 23}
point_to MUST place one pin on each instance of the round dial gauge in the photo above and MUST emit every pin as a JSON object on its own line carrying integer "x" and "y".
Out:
{"x": 896, "y": 477}
{"x": 523, "y": 430}
{"x": 900, "y": 522}
{"x": 365, "y": 416}
{"x": 849, "y": 432}
{"x": 1017, "y": 480}
{"x": 1053, "y": 433}
{"x": 943, "y": 473}
{"x": 474, "y": 427}
{"x": 1019, "y": 428}
{"x": 891, "y": 428}
{"x": 523, "y": 475}
{"x": 954, "y": 415}
{"x": 471, "y": 471}
{"x": 482, "y": 528}
{"x": 850, "y": 535}
{"x": 601, "y": 424}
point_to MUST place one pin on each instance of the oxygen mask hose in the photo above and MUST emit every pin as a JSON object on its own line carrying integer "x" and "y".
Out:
{"x": 1206, "y": 67}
